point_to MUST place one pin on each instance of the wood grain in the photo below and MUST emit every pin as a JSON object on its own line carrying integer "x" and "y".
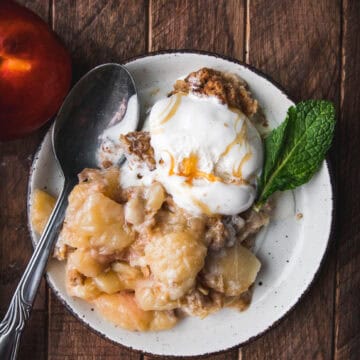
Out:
{"x": 34, "y": 340}
{"x": 201, "y": 24}
{"x": 15, "y": 246}
{"x": 298, "y": 44}
{"x": 95, "y": 32}
{"x": 101, "y": 31}
{"x": 347, "y": 309}
{"x": 227, "y": 355}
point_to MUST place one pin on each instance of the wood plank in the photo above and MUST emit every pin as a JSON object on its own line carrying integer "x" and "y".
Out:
{"x": 219, "y": 27}
{"x": 95, "y": 32}
{"x": 297, "y": 43}
{"x": 15, "y": 247}
{"x": 34, "y": 340}
{"x": 347, "y": 311}
{"x": 101, "y": 31}
{"x": 228, "y": 355}
{"x": 212, "y": 26}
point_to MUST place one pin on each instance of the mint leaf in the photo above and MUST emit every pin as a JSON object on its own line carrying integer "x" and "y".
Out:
{"x": 295, "y": 150}
{"x": 272, "y": 150}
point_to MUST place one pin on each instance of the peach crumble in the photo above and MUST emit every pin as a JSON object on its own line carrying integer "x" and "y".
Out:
{"x": 169, "y": 233}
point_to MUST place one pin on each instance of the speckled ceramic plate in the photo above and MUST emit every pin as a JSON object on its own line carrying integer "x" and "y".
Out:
{"x": 291, "y": 248}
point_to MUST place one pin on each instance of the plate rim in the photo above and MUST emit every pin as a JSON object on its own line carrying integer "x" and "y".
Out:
{"x": 302, "y": 295}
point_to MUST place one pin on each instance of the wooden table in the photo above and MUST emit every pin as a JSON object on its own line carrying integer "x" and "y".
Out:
{"x": 312, "y": 48}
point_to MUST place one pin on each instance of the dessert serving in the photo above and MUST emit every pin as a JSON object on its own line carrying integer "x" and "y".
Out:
{"x": 169, "y": 233}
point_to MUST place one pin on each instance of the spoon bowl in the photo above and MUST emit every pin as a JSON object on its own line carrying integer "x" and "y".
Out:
{"x": 88, "y": 110}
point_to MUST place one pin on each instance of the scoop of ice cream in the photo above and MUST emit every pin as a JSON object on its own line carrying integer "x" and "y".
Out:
{"x": 208, "y": 155}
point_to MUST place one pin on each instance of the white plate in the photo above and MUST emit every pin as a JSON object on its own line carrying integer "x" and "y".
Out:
{"x": 290, "y": 249}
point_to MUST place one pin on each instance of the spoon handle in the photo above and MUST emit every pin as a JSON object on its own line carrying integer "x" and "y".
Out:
{"x": 20, "y": 307}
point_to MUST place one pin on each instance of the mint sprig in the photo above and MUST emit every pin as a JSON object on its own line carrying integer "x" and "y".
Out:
{"x": 295, "y": 150}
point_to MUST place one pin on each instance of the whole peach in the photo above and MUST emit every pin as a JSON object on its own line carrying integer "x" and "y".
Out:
{"x": 35, "y": 71}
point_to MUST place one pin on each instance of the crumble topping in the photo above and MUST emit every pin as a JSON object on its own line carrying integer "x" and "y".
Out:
{"x": 228, "y": 88}
{"x": 137, "y": 145}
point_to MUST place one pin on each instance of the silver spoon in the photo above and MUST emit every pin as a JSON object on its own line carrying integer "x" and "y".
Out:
{"x": 90, "y": 108}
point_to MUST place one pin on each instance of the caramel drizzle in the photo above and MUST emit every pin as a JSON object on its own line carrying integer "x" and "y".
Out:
{"x": 239, "y": 138}
{"x": 188, "y": 166}
{"x": 238, "y": 172}
{"x": 175, "y": 105}
{"x": 202, "y": 206}
{"x": 172, "y": 165}
{"x": 188, "y": 169}
{"x": 167, "y": 107}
